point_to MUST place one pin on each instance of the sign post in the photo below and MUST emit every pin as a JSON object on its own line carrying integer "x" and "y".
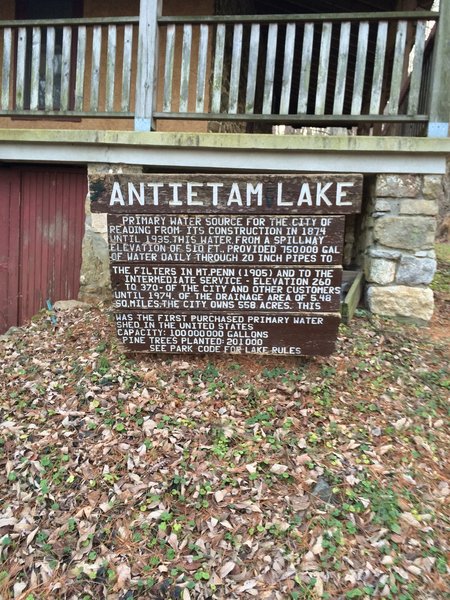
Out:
{"x": 223, "y": 263}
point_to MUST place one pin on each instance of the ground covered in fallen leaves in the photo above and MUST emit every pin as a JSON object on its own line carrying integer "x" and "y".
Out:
{"x": 224, "y": 477}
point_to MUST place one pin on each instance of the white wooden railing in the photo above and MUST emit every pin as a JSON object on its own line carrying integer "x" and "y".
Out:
{"x": 293, "y": 68}
{"x": 68, "y": 67}
{"x": 324, "y": 69}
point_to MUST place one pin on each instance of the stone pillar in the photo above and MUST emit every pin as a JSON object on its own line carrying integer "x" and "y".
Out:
{"x": 95, "y": 283}
{"x": 94, "y": 279}
{"x": 400, "y": 261}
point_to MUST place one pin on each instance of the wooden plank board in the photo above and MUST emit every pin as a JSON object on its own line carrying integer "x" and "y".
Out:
{"x": 270, "y": 68}
{"x": 416, "y": 74}
{"x": 286, "y": 80}
{"x": 378, "y": 68}
{"x": 95, "y": 71}
{"x": 147, "y": 64}
{"x": 259, "y": 240}
{"x": 397, "y": 69}
{"x": 126, "y": 67}
{"x": 168, "y": 68}
{"x": 439, "y": 105}
{"x": 226, "y": 288}
{"x": 281, "y": 334}
{"x": 49, "y": 69}
{"x": 324, "y": 61}
{"x": 111, "y": 67}
{"x": 341, "y": 73}
{"x": 352, "y": 298}
{"x": 201, "y": 68}
{"x": 20, "y": 73}
{"x": 185, "y": 68}
{"x": 6, "y": 67}
{"x": 305, "y": 69}
{"x": 175, "y": 193}
{"x": 252, "y": 70}
{"x": 80, "y": 69}
{"x": 35, "y": 67}
{"x": 235, "y": 69}
{"x": 360, "y": 69}
{"x": 218, "y": 70}
{"x": 305, "y": 17}
{"x": 65, "y": 67}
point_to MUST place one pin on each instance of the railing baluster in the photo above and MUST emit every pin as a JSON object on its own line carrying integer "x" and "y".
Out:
{"x": 168, "y": 68}
{"x": 270, "y": 68}
{"x": 416, "y": 74}
{"x": 201, "y": 70}
{"x": 65, "y": 67}
{"x": 286, "y": 82}
{"x": 126, "y": 67}
{"x": 341, "y": 72}
{"x": 235, "y": 69}
{"x": 20, "y": 74}
{"x": 49, "y": 68}
{"x": 35, "y": 70}
{"x": 218, "y": 69}
{"x": 305, "y": 69}
{"x": 95, "y": 71}
{"x": 185, "y": 68}
{"x": 322, "y": 76}
{"x": 397, "y": 69}
{"x": 360, "y": 69}
{"x": 378, "y": 68}
{"x": 6, "y": 67}
{"x": 111, "y": 67}
{"x": 252, "y": 70}
{"x": 81, "y": 62}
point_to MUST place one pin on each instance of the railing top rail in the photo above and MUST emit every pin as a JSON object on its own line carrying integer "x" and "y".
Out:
{"x": 62, "y": 22}
{"x": 299, "y": 18}
{"x": 427, "y": 15}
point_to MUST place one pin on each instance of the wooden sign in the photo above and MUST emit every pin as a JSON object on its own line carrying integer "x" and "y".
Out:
{"x": 226, "y": 194}
{"x": 244, "y": 288}
{"x": 227, "y": 263}
{"x": 233, "y": 333}
{"x": 226, "y": 239}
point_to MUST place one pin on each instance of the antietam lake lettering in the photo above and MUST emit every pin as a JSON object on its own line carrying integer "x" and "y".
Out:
{"x": 218, "y": 194}
{"x": 292, "y": 194}
{"x": 226, "y": 263}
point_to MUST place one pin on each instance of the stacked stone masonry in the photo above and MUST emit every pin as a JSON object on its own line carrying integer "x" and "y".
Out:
{"x": 400, "y": 261}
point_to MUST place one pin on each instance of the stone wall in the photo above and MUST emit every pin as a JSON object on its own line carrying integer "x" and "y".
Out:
{"x": 94, "y": 279}
{"x": 399, "y": 260}
{"x": 95, "y": 282}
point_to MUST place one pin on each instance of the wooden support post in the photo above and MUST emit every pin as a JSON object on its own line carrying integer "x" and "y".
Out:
{"x": 440, "y": 78}
{"x": 147, "y": 67}
{"x": 352, "y": 298}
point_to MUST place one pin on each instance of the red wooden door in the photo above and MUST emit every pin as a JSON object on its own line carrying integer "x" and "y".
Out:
{"x": 44, "y": 259}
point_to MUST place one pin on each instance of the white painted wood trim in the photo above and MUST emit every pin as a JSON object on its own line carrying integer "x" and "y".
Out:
{"x": 229, "y": 158}
{"x": 147, "y": 63}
